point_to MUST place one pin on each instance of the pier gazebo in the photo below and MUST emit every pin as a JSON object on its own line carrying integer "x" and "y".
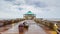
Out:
{"x": 29, "y": 15}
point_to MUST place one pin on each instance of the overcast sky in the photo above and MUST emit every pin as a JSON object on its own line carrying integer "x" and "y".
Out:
{"x": 42, "y": 8}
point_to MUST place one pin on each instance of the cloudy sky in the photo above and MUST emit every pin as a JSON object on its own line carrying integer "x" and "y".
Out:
{"x": 42, "y": 8}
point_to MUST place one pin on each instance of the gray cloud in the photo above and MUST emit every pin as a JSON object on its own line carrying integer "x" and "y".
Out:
{"x": 13, "y": 2}
{"x": 9, "y": 0}
{"x": 16, "y": 2}
{"x": 20, "y": 9}
{"x": 36, "y": 3}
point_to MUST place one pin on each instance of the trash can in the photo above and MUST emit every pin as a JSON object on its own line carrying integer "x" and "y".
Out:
{"x": 21, "y": 28}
